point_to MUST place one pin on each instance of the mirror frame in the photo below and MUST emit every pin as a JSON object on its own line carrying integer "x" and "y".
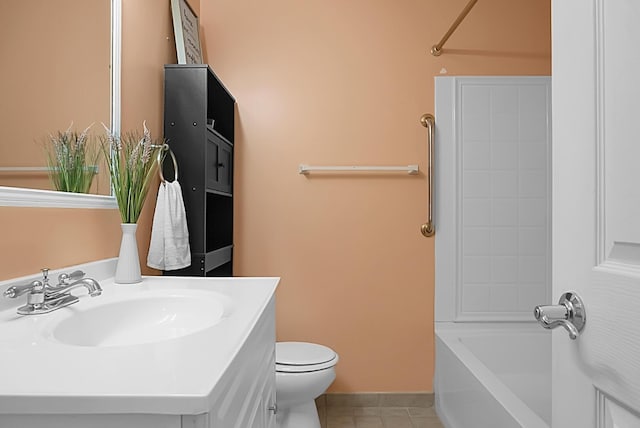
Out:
{"x": 23, "y": 197}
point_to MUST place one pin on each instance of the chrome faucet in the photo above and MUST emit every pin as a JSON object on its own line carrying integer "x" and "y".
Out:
{"x": 44, "y": 297}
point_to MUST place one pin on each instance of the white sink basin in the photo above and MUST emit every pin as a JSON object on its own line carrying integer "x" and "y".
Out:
{"x": 138, "y": 319}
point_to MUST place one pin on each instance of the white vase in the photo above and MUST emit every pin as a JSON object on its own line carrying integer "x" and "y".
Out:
{"x": 128, "y": 267}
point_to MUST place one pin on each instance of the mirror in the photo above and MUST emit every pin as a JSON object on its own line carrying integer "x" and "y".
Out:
{"x": 59, "y": 58}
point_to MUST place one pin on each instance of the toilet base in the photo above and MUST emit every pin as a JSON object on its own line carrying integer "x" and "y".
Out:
{"x": 300, "y": 416}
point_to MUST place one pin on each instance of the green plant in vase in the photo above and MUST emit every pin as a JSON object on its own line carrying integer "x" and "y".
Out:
{"x": 132, "y": 164}
{"x": 72, "y": 160}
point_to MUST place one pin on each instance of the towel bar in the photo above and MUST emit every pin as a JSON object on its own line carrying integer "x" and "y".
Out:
{"x": 411, "y": 169}
{"x": 160, "y": 160}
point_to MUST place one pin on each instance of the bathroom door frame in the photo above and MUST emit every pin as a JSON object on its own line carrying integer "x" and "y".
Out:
{"x": 596, "y": 210}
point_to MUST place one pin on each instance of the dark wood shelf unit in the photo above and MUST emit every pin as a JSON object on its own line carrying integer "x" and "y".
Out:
{"x": 199, "y": 126}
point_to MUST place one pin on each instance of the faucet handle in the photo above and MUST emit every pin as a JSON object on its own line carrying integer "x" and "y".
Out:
{"x": 18, "y": 290}
{"x": 66, "y": 278}
{"x": 33, "y": 287}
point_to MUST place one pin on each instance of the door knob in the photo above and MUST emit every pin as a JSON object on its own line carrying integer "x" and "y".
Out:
{"x": 568, "y": 313}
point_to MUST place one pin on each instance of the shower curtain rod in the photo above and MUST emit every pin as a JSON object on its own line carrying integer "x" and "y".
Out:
{"x": 436, "y": 50}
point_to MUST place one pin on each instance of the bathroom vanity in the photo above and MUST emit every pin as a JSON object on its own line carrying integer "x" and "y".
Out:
{"x": 169, "y": 352}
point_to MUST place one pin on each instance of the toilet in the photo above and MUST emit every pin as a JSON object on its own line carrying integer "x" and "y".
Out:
{"x": 304, "y": 371}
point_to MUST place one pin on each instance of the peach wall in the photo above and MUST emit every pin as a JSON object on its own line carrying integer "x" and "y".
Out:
{"x": 340, "y": 82}
{"x": 34, "y": 237}
{"x": 147, "y": 45}
{"x": 55, "y": 71}
{"x": 324, "y": 83}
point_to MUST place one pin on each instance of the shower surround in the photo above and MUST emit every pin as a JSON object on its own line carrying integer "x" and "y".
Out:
{"x": 493, "y": 257}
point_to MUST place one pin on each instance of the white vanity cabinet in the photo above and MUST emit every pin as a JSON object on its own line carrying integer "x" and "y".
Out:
{"x": 246, "y": 395}
{"x": 220, "y": 377}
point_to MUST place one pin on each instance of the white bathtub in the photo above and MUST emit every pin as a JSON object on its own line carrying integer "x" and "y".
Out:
{"x": 493, "y": 375}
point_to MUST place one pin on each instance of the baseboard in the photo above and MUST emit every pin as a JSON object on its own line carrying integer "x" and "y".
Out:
{"x": 376, "y": 399}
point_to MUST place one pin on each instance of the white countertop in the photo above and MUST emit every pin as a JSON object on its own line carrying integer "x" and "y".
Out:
{"x": 177, "y": 376}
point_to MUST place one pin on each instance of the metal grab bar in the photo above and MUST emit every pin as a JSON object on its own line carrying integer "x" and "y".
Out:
{"x": 428, "y": 121}
{"x": 436, "y": 50}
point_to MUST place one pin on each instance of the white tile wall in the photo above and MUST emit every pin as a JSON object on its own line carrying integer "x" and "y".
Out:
{"x": 475, "y": 241}
{"x": 503, "y": 155}
{"x": 474, "y": 107}
{"x": 478, "y": 298}
{"x": 478, "y": 212}
{"x": 504, "y": 241}
{"x": 504, "y": 212}
{"x": 502, "y": 298}
{"x": 504, "y": 184}
{"x": 477, "y": 155}
{"x": 476, "y": 270}
{"x": 504, "y": 141}
{"x": 532, "y": 241}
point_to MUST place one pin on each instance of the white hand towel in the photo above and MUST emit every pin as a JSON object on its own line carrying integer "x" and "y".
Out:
{"x": 169, "y": 246}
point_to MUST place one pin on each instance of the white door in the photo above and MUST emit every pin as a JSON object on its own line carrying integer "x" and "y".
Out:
{"x": 596, "y": 210}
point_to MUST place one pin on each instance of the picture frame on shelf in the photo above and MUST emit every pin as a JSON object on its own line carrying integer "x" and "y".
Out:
{"x": 186, "y": 29}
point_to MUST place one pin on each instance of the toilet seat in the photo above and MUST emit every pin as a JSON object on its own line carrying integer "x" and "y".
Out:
{"x": 302, "y": 357}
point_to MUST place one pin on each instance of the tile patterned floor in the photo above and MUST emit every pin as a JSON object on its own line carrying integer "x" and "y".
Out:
{"x": 382, "y": 414}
